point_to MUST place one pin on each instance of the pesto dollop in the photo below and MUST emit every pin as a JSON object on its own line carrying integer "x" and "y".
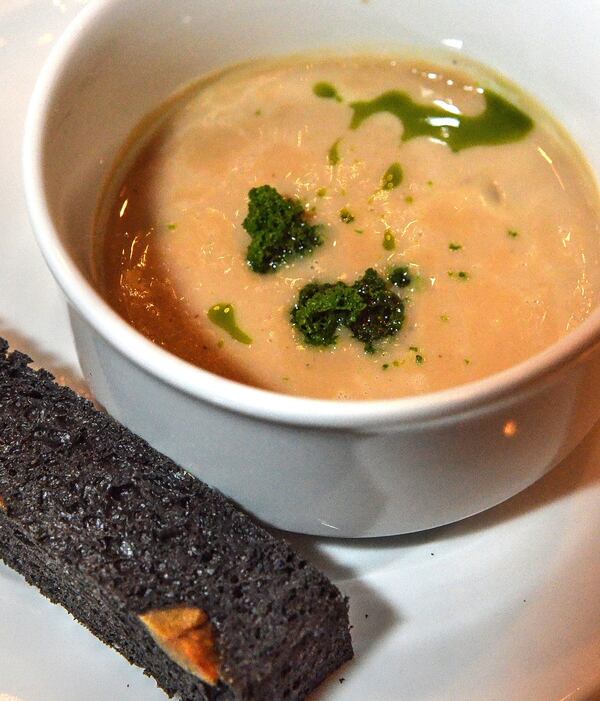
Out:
{"x": 500, "y": 122}
{"x": 223, "y": 316}
{"x": 367, "y": 308}
{"x": 279, "y": 229}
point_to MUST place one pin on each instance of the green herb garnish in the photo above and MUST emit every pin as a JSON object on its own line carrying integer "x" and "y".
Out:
{"x": 278, "y": 228}
{"x": 512, "y": 233}
{"x": 419, "y": 359}
{"x": 392, "y": 177}
{"x": 346, "y": 216}
{"x": 389, "y": 240}
{"x": 321, "y": 192}
{"x": 455, "y": 246}
{"x": 458, "y": 274}
{"x": 171, "y": 227}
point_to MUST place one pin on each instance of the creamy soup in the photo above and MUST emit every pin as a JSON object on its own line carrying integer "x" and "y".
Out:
{"x": 457, "y": 181}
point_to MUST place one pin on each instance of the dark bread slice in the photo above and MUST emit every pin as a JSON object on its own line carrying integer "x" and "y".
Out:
{"x": 113, "y": 530}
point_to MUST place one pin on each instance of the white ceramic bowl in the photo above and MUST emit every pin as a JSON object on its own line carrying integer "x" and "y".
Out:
{"x": 314, "y": 466}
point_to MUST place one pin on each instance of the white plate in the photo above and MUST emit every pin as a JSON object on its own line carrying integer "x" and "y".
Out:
{"x": 504, "y": 606}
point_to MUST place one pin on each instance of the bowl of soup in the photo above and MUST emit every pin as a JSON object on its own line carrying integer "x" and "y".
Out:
{"x": 340, "y": 262}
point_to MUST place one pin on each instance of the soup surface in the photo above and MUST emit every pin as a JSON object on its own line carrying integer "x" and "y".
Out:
{"x": 500, "y": 240}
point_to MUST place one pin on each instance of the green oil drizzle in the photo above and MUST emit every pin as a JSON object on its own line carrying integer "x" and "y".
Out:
{"x": 223, "y": 316}
{"x": 333, "y": 155}
{"x": 499, "y": 123}
{"x": 389, "y": 240}
{"x": 392, "y": 177}
{"x": 327, "y": 91}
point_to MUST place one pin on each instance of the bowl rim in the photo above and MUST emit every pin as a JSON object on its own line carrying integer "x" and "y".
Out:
{"x": 214, "y": 389}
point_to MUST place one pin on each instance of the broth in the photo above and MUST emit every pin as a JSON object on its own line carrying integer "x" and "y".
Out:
{"x": 496, "y": 220}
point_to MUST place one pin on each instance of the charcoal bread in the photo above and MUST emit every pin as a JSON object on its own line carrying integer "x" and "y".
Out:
{"x": 155, "y": 563}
